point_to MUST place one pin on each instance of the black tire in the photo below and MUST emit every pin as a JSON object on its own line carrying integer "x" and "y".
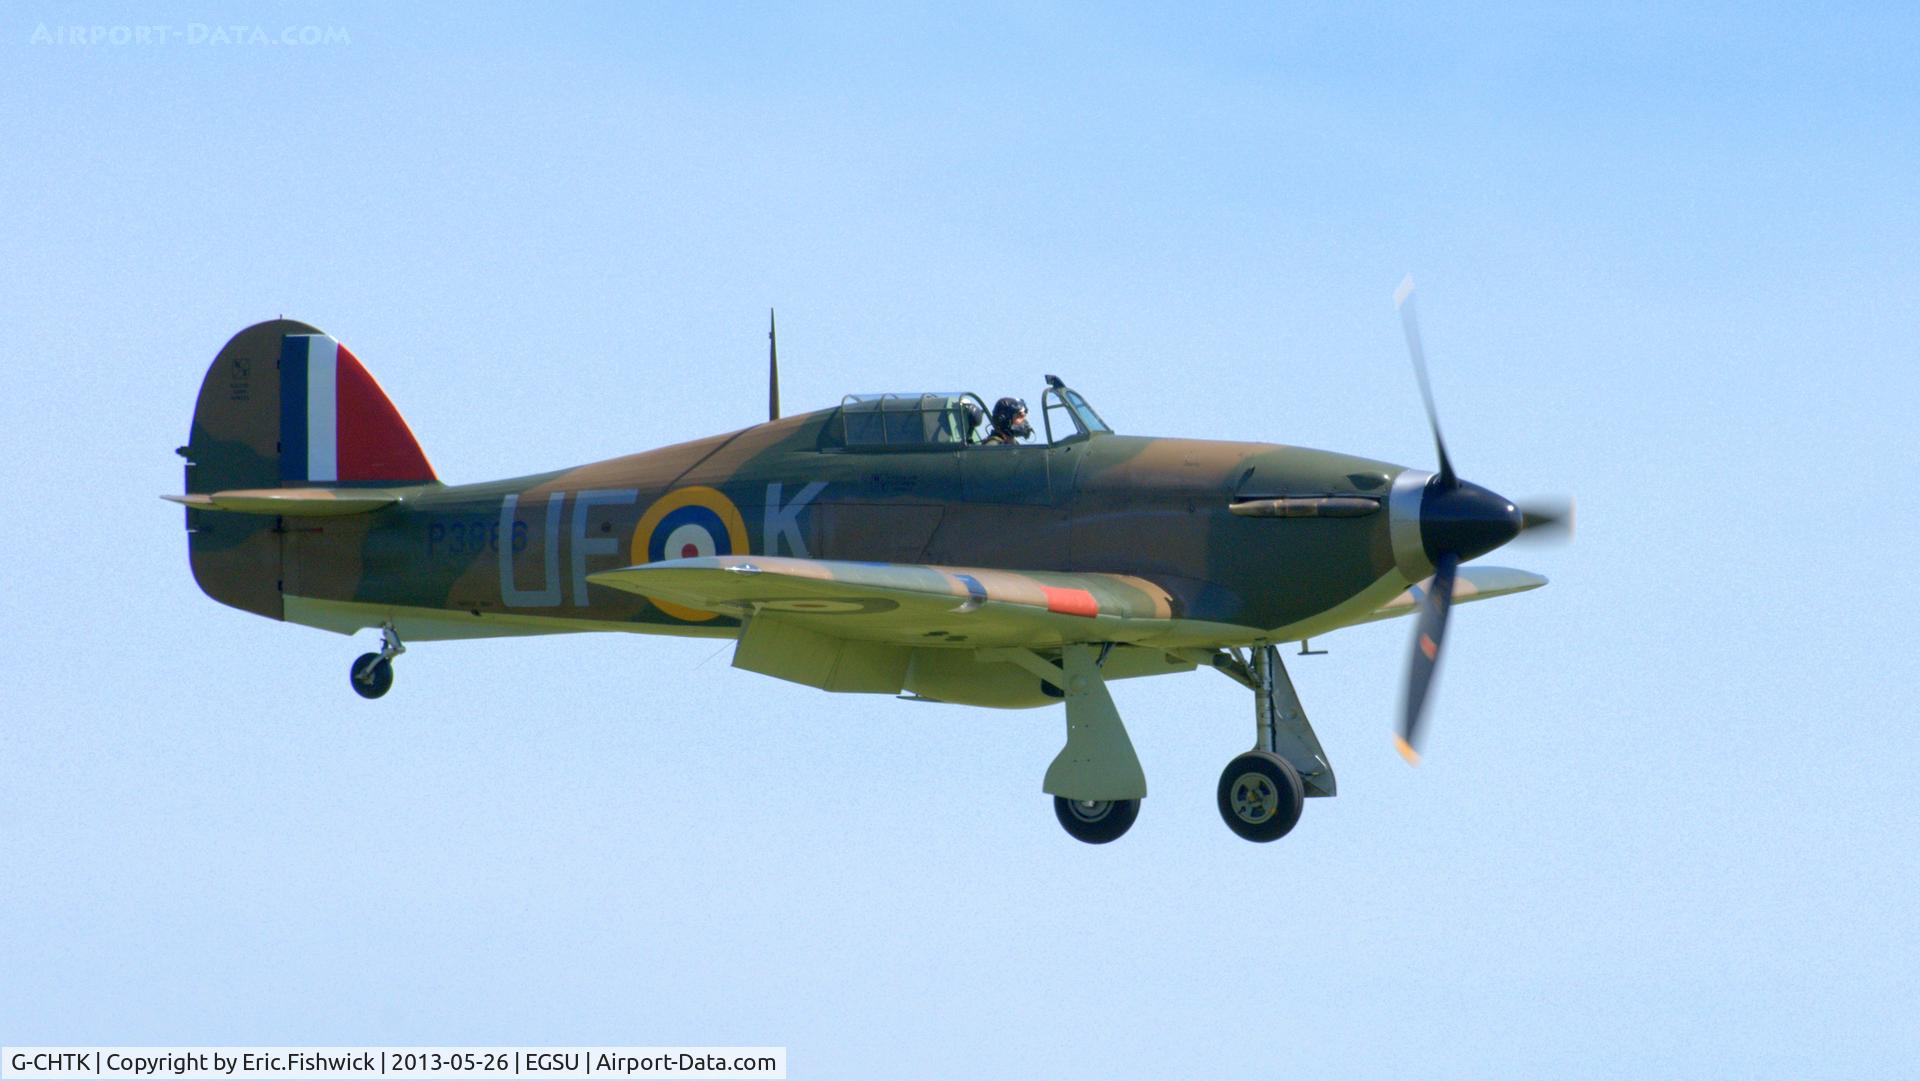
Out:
{"x": 1096, "y": 821}
{"x": 371, "y": 675}
{"x": 1261, "y": 796}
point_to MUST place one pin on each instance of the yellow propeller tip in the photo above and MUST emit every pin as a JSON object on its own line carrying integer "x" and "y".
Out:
{"x": 1406, "y": 751}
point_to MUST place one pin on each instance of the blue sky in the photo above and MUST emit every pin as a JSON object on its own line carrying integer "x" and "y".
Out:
{"x": 1666, "y": 264}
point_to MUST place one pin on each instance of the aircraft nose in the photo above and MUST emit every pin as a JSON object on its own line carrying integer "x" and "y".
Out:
{"x": 1467, "y": 520}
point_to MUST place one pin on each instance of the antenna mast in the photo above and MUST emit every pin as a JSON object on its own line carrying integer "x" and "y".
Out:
{"x": 773, "y": 369}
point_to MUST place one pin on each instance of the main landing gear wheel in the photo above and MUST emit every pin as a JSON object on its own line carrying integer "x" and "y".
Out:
{"x": 372, "y": 675}
{"x": 1096, "y": 821}
{"x": 1261, "y": 796}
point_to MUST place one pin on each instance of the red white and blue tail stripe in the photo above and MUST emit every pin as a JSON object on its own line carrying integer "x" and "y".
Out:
{"x": 336, "y": 424}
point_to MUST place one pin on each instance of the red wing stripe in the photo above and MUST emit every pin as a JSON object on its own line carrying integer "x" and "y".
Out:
{"x": 1071, "y": 602}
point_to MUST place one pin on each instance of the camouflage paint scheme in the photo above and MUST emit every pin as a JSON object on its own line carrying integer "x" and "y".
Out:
{"x": 1162, "y": 546}
{"x": 875, "y": 547}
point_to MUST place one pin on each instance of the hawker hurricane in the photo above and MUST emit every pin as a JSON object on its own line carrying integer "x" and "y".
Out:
{"x": 909, "y": 544}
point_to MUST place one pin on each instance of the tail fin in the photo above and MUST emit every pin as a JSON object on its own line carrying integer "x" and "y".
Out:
{"x": 283, "y": 406}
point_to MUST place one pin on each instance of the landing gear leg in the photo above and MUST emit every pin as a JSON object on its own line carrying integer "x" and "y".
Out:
{"x": 372, "y": 673}
{"x": 1262, "y": 792}
{"x": 1095, "y": 781}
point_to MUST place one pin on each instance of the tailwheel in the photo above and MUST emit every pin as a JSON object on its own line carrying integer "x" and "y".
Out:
{"x": 1261, "y": 796}
{"x": 1096, "y": 821}
{"x": 372, "y": 675}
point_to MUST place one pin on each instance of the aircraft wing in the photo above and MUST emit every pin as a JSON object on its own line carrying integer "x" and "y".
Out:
{"x": 1470, "y": 584}
{"x": 925, "y": 605}
{"x": 908, "y": 604}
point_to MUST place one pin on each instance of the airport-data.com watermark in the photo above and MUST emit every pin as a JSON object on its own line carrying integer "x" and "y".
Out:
{"x": 191, "y": 34}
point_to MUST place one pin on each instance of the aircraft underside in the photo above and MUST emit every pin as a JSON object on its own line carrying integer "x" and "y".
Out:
{"x": 1096, "y": 780}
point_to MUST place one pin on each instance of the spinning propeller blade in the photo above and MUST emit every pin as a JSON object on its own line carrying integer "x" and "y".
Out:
{"x": 1432, "y": 630}
{"x": 1548, "y": 518}
{"x": 1410, "y": 322}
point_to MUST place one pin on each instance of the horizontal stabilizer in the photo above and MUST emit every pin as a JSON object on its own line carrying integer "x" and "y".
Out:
{"x": 291, "y": 502}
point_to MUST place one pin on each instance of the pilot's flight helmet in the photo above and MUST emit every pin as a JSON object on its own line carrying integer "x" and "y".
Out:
{"x": 1005, "y": 412}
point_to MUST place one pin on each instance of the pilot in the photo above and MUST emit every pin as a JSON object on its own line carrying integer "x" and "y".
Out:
{"x": 1009, "y": 422}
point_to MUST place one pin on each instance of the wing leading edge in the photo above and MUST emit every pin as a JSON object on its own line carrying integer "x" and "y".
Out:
{"x": 925, "y": 605}
{"x": 908, "y": 604}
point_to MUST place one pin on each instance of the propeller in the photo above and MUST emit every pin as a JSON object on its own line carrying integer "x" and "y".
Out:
{"x": 1458, "y": 521}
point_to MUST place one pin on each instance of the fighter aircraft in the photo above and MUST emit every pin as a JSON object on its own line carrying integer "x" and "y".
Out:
{"x": 891, "y": 544}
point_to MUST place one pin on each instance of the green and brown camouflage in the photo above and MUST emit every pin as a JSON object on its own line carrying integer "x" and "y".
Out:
{"x": 876, "y": 546}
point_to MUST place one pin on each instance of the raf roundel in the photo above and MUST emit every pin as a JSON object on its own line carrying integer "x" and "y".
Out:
{"x": 684, "y": 524}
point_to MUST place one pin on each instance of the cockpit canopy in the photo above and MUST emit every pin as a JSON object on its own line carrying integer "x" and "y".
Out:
{"x": 952, "y": 420}
{"x": 900, "y": 421}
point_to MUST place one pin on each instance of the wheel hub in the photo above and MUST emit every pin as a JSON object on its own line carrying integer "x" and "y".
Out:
{"x": 1090, "y": 810}
{"x": 1254, "y": 798}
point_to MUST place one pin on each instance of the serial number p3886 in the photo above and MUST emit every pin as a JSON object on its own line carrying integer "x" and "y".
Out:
{"x": 453, "y": 537}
